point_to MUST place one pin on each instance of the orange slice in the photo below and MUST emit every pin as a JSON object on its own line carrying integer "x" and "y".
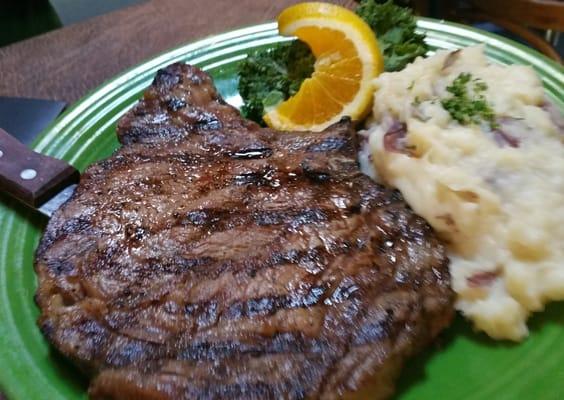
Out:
{"x": 347, "y": 60}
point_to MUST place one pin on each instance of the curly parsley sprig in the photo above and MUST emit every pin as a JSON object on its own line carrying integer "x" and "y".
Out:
{"x": 467, "y": 103}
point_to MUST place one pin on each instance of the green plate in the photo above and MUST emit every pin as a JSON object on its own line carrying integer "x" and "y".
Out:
{"x": 463, "y": 365}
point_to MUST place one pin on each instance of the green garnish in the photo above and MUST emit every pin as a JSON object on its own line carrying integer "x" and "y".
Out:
{"x": 468, "y": 105}
{"x": 268, "y": 77}
{"x": 394, "y": 27}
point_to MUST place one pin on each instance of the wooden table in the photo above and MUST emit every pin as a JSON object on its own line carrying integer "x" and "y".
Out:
{"x": 65, "y": 64}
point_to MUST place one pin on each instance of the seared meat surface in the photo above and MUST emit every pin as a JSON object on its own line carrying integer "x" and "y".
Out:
{"x": 209, "y": 258}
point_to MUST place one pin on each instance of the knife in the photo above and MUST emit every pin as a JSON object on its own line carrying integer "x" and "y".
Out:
{"x": 41, "y": 182}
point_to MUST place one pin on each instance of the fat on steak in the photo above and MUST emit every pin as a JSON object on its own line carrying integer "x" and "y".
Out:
{"x": 210, "y": 258}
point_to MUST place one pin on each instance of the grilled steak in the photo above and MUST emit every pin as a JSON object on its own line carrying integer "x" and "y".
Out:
{"x": 209, "y": 258}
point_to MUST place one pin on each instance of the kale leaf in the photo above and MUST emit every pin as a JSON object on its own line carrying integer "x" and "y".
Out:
{"x": 394, "y": 27}
{"x": 268, "y": 77}
{"x": 469, "y": 106}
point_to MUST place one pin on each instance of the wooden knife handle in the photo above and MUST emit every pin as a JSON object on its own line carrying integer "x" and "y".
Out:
{"x": 29, "y": 176}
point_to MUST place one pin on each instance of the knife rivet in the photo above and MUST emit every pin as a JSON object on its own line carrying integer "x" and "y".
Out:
{"x": 28, "y": 174}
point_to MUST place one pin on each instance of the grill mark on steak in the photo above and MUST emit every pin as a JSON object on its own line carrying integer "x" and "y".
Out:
{"x": 204, "y": 320}
{"x": 250, "y": 153}
{"x": 230, "y": 174}
{"x": 243, "y": 261}
{"x": 210, "y": 258}
{"x": 291, "y": 257}
{"x": 262, "y": 306}
{"x": 312, "y": 260}
{"x": 216, "y": 388}
{"x": 262, "y": 217}
{"x": 279, "y": 343}
{"x": 223, "y": 219}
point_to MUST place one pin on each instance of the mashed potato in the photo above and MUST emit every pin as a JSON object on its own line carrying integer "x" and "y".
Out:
{"x": 495, "y": 193}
